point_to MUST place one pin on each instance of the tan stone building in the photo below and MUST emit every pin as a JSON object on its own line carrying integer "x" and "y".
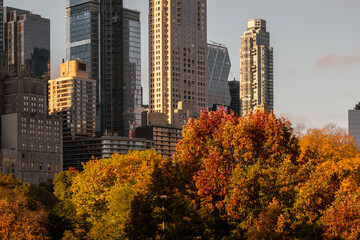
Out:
{"x": 177, "y": 52}
{"x": 256, "y": 68}
{"x": 72, "y": 97}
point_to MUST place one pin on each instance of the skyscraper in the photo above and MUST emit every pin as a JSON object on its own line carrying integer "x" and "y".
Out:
{"x": 354, "y": 124}
{"x": 177, "y": 55}
{"x": 2, "y": 46}
{"x": 83, "y": 33}
{"x": 256, "y": 68}
{"x": 107, "y": 37}
{"x": 28, "y": 43}
{"x": 234, "y": 93}
{"x": 132, "y": 70}
{"x": 218, "y": 69}
{"x": 112, "y": 77}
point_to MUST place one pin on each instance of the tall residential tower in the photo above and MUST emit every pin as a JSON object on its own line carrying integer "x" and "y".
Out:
{"x": 177, "y": 55}
{"x": 256, "y": 68}
{"x": 27, "y": 43}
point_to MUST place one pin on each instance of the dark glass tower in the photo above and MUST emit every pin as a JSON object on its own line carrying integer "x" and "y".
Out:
{"x": 235, "y": 98}
{"x": 112, "y": 77}
{"x": 2, "y": 46}
{"x": 28, "y": 43}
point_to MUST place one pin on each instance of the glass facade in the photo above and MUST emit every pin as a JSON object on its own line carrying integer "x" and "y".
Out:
{"x": 112, "y": 78}
{"x": 28, "y": 43}
{"x": 132, "y": 70}
{"x": 235, "y": 97}
{"x": 2, "y": 46}
{"x": 82, "y": 34}
{"x": 218, "y": 69}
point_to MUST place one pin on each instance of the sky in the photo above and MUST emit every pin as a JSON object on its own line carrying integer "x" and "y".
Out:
{"x": 316, "y": 50}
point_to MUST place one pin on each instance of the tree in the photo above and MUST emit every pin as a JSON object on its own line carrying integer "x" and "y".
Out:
{"x": 102, "y": 194}
{"x": 230, "y": 166}
{"x": 20, "y": 216}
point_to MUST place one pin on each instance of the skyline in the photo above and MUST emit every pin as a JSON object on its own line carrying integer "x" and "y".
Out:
{"x": 316, "y": 50}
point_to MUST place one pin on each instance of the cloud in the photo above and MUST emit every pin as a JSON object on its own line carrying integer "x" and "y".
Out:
{"x": 337, "y": 60}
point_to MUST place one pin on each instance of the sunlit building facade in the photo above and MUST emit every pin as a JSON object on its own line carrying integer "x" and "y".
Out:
{"x": 256, "y": 68}
{"x": 72, "y": 98}
{"x": 177, "y": 55}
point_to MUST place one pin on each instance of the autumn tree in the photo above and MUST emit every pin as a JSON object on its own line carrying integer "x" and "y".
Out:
{"x": 21, "y": 217}
{"x": 234, "y": 167}
{"x": 103, "y": 193}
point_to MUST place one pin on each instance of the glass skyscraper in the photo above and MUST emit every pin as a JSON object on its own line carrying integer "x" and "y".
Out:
{"x": 27, "y": 42}
{"x": 2, "y": 46}
{"x": 107, "y": 37}
{"x": 132, "y": 70}
{"x": 218, "y": 69}
{"x": 83, "y": 34}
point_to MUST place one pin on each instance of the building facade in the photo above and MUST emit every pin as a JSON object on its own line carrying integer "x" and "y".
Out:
{"x": 218, "y": 69}
{"x": 234, "y": 93}
{"x": 27, "y": 133}
{"x": 177, "y": 55}
{"x": 256, "y": 68}
{"x": 132, "y": 71}
{"x": 107, "y": 37}
{"x": 2, "y": 45}
{"x": 102, "y": 146}
{"x": 3, "y": 65}
{"x": 354, "y": 123}
{"x": 83, "y": 34}
{"x": 27, "y": 43}
{"x": 165, "y": 138}
{"x": 72, "y": 98}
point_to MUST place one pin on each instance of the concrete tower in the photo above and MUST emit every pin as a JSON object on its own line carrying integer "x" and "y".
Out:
{"x": 256, "y": 69}
{"x": 177, "y": 56}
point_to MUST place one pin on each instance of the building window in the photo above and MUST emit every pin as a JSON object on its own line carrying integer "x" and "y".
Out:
{"x": 32, "y": 166}
{"x": 23, "y": 166}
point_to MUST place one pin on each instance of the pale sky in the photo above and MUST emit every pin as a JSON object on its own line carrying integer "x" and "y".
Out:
{"x": 316, "y": 49}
